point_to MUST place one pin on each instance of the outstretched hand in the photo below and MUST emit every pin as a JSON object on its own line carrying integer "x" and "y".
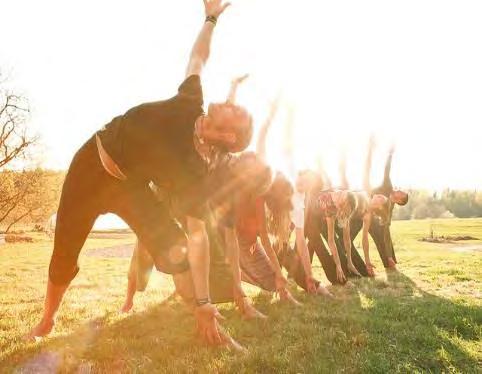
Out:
{"x": 239, "y": 80}
{"x": 210, "y": 331}
{"x": 340, "y": 275}
{"x": 274, "y": 106}
{"x": 391, "y": 150}
{"x": 370, "y": 269}
{"x": 215, "y": 7}
{"x": 207, "y": 324}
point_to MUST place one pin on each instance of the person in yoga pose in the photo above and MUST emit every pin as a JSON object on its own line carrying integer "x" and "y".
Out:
{"x": 172, "y": 143}
{"x": 380, "y": 229}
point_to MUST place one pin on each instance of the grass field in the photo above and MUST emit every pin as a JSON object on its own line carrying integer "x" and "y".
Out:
{"x": 425, "y": 318}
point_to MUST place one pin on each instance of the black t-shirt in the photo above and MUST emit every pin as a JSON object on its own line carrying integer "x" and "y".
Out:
{"x": 154, "y": 142}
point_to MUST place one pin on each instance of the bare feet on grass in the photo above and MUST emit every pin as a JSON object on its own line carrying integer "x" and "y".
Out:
{"x": 248, "y": 311}
{"x": 392, "y": 265}
{"x": 127, "y": 307}
{"x": 286, "y": 296}
{"x": 352, "y": 269}
{"x": 323, "y": 291}
{"x": 42, "y": 329}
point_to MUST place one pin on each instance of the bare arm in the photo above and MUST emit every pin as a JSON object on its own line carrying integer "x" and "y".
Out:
{"x": 201, "y": 48}
{"x": 334, "y": 251}
{"x": 344, "y": 180}
{"x": 303, "y": 252}
{"x": 368, "y": 165}
{"x": 266, "y": 243}
{"x": 367, "y": 220}
{"x": 330, "y": 222}
{"x": 263, "y": 132}
{"x": 232, "y": 253}
{"x": 388, "y": 167}
{"x": 347, "y": 244}
{"x": 234, "y": 88}
{"x": 198, "y": 256}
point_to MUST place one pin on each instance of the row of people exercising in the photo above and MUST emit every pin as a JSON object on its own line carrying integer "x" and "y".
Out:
{"x": 266, "y": 224}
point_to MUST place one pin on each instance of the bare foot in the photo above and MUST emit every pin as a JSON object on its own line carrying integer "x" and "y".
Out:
{"x": 323, "y": 291}
{"x": 392, "y": 265}
{"x": 232, "y": 344}
{"x": 41, "y": 330}
{"x": 248, "y": 311}
{"x": 353, "y": 270}
{"x": 286, "y": 295}
{"x": 126, "y": 308}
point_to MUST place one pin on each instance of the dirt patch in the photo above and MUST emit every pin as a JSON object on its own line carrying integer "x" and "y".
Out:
{"x": 446, "y": 239}
{"x": 107, "y": 235}
{"x": 118, "y": 251}
{"x": 13, "y": 238}
{"x": 464, "y": 248}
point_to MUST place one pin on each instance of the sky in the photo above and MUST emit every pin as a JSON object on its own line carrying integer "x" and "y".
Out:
{"x": 409, "y": 72}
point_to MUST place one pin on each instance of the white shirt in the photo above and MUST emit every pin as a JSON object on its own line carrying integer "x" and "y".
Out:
{"x": 298, "y": 213}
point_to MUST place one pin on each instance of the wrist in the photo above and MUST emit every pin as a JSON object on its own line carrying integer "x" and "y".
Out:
{"x": 203, "y": 301}
{"x": 211, "y": 19}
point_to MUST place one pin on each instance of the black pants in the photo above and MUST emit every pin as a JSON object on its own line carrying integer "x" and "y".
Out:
{"x": 290, "y": 260}
{"x": 88, "y": 192}
{"x": 380, "y": 235}
{"x": 355, "y": 227}
{"x": 314, "y": 233}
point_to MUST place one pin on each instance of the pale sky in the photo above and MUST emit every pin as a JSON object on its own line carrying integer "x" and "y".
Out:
{"x": 405, "y": 70}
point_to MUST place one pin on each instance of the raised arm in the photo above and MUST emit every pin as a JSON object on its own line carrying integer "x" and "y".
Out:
{"x": 234, "y": 88}
{"x": 201, "y": 48}
{"x": 343, "y": 179}
{"x": 388, "y": 166}
{"x": 368, "y": 165}
{"x": 263, "y": 131}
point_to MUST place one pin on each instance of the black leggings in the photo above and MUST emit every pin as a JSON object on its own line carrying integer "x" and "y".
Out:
{"x": 290, "y": 260}
{"x": 383, "y": 241}
{"x": 88, "y": 192}
{"x": 314, "y": 232}
{"x": 355, "y": 227}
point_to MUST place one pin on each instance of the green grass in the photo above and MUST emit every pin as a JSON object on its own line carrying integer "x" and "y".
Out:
{"x": 425, "y": 318}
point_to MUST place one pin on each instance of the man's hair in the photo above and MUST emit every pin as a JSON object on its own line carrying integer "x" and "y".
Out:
{"x": 242, "y": 127}
{"x": 244, "y": 134}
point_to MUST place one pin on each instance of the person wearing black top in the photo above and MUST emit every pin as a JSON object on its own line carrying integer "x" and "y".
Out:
{"x": 172, "y": 143}
{"x": 380, "y": 228}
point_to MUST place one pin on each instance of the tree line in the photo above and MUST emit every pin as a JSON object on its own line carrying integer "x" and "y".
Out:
{"x": 446, "y": 204}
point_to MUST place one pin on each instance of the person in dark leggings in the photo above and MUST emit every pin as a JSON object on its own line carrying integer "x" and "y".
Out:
{"x": 172, "y": 143}
{"x": 368, "y": 209}
{"x": 380, "y": 229}
{"x": 285, "y": 212}
{"x": 323, "y": 209}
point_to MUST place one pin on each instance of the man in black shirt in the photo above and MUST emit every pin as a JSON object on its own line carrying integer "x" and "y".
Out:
{"x": 171, "y": 143}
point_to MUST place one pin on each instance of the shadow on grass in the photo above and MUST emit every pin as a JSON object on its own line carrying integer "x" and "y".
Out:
{"x": 412, "y": 330}
{"x": 376, "y": 326}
